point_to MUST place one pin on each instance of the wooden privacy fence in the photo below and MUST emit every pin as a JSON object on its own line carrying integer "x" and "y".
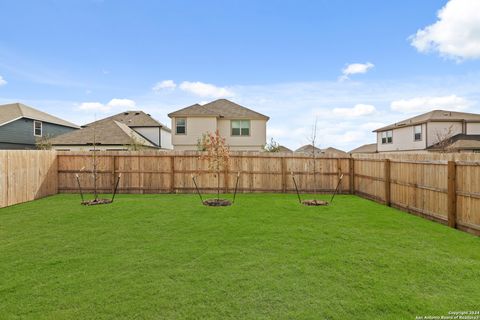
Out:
{"x": 440, "y": 187}
{"x": 170, "y": 172}
{"x": 27, "y": 175}
{"x": 443, "y": 188}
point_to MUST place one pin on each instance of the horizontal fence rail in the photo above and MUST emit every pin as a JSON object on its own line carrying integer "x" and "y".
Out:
{"x": 440, "y": 187}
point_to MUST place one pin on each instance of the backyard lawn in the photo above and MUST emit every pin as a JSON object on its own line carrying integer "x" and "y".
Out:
{"x": 266, "y": 257}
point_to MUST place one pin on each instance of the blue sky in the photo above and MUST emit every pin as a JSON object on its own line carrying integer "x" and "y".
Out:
{"x": 355, "y": 65}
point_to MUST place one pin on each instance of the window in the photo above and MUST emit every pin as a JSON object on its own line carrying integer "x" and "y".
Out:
{"x": 37, "y": 128}
{"x": 240, "y": 127}
{"x": 417, "y": 133}
{"x": 180, "y": 126}
{"x": 387, "y": 136}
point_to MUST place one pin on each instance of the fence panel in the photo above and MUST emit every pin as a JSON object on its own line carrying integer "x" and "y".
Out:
{"x": 154, "y": 172}
{"x": 26, "y": 175}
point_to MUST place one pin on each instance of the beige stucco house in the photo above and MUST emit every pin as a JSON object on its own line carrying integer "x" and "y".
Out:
{"x": 242, "y": 128}
{"x": 425, "y": 132}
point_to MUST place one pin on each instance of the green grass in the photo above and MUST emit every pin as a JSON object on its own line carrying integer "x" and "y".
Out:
{"x": 266, "y": 257}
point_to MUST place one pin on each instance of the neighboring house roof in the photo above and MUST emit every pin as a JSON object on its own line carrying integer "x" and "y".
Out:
{"x": 435, "y": 115}
{"x": 109, "y": 132}
{"x": 366, "y": 148}
{"x": 222, "y": 108}
{"x": 458, "y": 142}
{"x": 284, "y": 149}
{"x": 331, "y": 150}
{"x": 308, "y": 148}
{"x": 14, "y": 111}
{"x": 133, "y": 119}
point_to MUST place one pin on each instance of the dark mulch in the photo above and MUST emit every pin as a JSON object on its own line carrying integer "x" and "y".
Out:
{"x": 314, "y": 203}
{"x": 217, "y": 202}
{"x": 96, "y": 201}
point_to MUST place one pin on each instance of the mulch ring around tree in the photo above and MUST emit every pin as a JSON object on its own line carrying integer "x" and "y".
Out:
{"x": 96, "y": 201}
{"x": 314, "y": 203}
{"x": 217, "y": 202}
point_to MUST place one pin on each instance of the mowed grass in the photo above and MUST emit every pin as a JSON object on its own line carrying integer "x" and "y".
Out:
{"x": 266, "y": 257}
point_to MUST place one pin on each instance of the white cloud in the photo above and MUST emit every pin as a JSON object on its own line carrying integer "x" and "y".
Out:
{"x": 456, "y": 34}
{"x": 121, "y": 103}
{"x": 202, "y": 89}
{"x": 2, "y": 81}
{"x": 422, "y": 104}
{"x": 355, "y": 68}
{"x": 357, "y": 111}
{"x": 164, "y": 85}
{"x": 126, "y": 104}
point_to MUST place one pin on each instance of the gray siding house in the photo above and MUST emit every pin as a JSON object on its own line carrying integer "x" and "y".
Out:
{"x": 21, "y": 126}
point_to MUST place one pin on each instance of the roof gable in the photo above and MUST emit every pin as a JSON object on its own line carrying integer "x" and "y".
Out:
{"x": 13, "y": 111}
{"x": 221, "y": 108}
{"x": 109, "y": 132}
{"x": 366, "y": 148}
{"x": 308, "y": 148}
{"x": 132, "y": 119}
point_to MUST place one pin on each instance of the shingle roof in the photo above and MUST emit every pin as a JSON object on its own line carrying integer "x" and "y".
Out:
{"x": 458, "y": 142}
{"x": 366, "y": 148}
{"x": 332, "y": 150}
{"x": 435, "y": 115}
{"x": 219, "y": 108}
{"x": 133, "y": 119}
{"x": 308, "y": 148}
{"x": 13, "y": 111}
{"x": 284, "y": 149}
{"x": 109, "y": 132}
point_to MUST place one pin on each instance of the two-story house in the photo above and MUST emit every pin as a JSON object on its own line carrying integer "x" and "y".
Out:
{"x": 22, "y": 127}
{"x": 242, "y": 128}
{"x": 427, "y": 131}
{"x": 129, "y": 130}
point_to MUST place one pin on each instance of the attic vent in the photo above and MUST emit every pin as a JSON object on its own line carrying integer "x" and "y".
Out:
{"x": 446, "y": 114}
{"x": 137, "y": 113}
{"x": 126, "y": 113}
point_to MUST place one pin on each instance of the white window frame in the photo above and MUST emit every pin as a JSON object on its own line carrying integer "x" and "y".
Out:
{"x": 385, "y": 135}
{"x": 176, "y": 126}
{"x": 241, "y": 127}
{"x": 415, "y": 133}
{"x": 35, "y": 129}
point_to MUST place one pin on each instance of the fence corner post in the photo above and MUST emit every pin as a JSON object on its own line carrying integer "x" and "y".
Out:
{"x": 452, "y": 194}
{"x": 387, "y": 182}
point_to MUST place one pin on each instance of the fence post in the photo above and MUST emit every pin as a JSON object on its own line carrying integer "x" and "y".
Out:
{"x": 113, "y": 164}
{"x": 284, "y": 175}
{"x": 387, "y": 182}
{"x": 172, "y": 174}
{"x": 352, "y": 175}
{"x": 225, "y": 179}
{"x": 452, "y": 194}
